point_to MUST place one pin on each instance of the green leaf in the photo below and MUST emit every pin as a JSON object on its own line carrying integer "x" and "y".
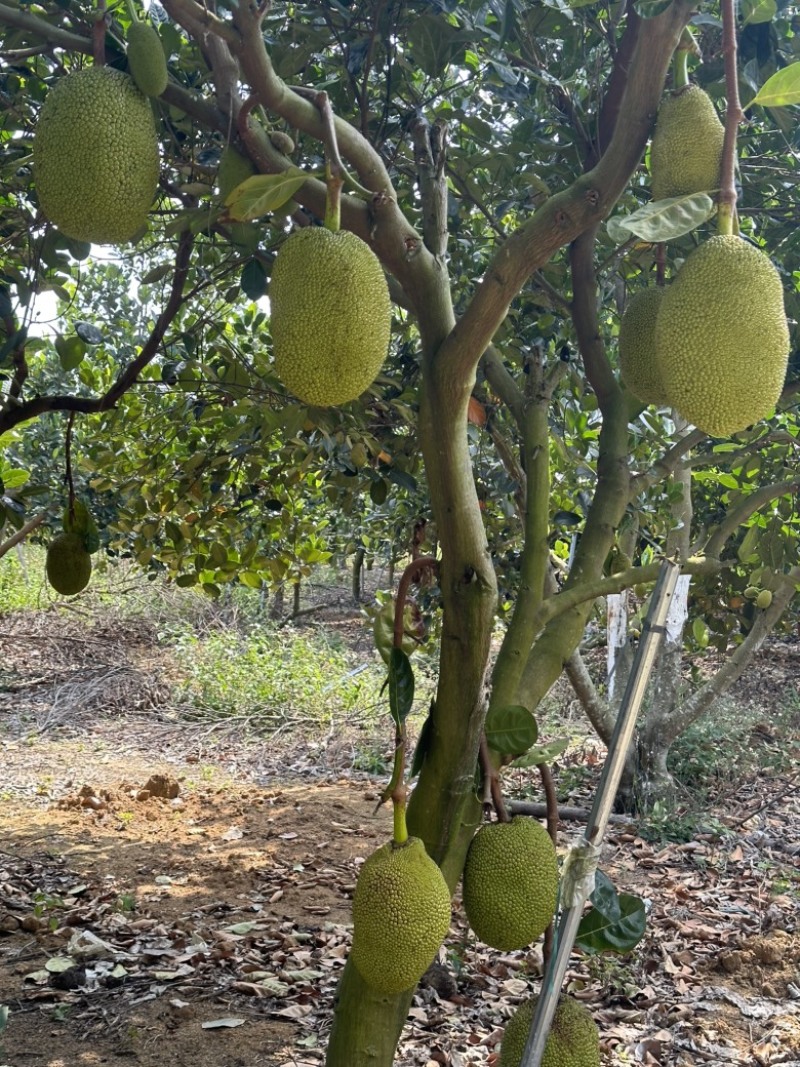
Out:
{"x": 700, "y": 633}
{"x": 423, "y": 744}
{"x": 602, "y": 932}
{"x": 254, "y": 279}
{"x": 782, "y": 88}
{"x": 71, "y": 351}
{"x": 542, "y": 754}
{"x": 13, "y": 477}
{"x": 663, "y": 220}
{"x": 747, "y": 549}
{"x": 401, "y": 685}
{"x": 511, "y": 730}
{"x": 251, "y": 579}
{"x": 378, "y": 492}
{"x": 157, "y": 273}
{"x": 89, "y": 333}
{"x": 754, "y": 11}
{"x": 649, "y": 9}
{"x": 78, "y": 520}
{"x": 263, "y": 193}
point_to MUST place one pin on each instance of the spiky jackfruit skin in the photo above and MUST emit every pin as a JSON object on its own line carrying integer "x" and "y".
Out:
{"x": 722, "y": 341}
{"x": 146, "y": 60}
{"x": 686, "y": 151}
{"x": 573, "y": 1040}
{"x": 510, "y": 882}
{"x": 637, "y": 347}
{"x": 331, "y": 316}
{"x": 68, "y": 565}
{"x": 95, "y": 156}
{"x": 401, "y": 913}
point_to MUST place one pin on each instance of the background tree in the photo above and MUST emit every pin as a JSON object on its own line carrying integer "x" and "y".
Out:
{"x": 489, "y": 144}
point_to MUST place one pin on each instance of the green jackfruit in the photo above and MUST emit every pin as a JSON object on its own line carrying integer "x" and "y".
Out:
{"x": 686, "y": 152}
{"x": 401, "y": 913}
{"x": 95, "y": 155}
{"x": 331, "y": 316}
{"x": 68, "y": 565}
{"x": 764, "y": 599}
{"x": 146, "y": 60}
{"x": 510, "y": 882}
{"x": 722, "y": 342}
{"x": 637, "y": 348}
{"x": 573, "y": 1040}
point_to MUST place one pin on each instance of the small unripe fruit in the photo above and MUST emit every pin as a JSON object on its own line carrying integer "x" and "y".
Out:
{"x": 764, "y": 599}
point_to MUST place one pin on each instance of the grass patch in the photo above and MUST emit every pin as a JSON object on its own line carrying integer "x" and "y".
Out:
{"x": 272, "y": 677}
{"x": 21, "y": 584}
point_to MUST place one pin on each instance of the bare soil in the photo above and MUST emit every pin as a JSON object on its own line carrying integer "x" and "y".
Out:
{"x": 170, "y": 894}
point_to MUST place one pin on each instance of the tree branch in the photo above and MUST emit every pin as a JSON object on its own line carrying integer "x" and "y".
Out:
{"x": 38, "y": 405}
{"x": 21, "y": 534}
{"x": 598, "y": 711}
{"x": 587, "y": 201}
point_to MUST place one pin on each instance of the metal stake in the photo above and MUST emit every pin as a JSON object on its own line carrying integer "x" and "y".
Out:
{"x": 578, "y": 879}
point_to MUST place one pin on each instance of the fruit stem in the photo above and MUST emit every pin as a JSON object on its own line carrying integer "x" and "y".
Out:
{"x": 132, "y": 11}
{"x": 726, "y": 217}
{"x": 680, "y": 68}
{"x": 400, "y": 828}
{"x": 334, "y": 168}
{"x": 492, "y": 779}
{"x": 68, "y": 465}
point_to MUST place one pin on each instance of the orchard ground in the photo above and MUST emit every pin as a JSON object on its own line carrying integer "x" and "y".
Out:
{"x": 181, "y": 840}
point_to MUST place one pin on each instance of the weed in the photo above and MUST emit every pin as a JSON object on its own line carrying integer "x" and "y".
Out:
{"x": 126, "y": 903}
{"x": 270, "y": 677}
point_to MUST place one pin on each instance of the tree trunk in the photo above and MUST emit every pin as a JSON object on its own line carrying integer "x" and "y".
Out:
{"x": 278, "y": 603}
{"x": 296, "y": 598}
{"x": 357, "y": 574}
{"x": 646, "y": 779}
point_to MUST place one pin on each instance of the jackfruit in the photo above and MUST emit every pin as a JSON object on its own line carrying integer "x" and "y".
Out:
{"x": 401, "y": 913}
{"x": 510, "y": 882}
{"x": 331, "y": 316}
{"x": 68, "y": 565}
{"x": 573, "y": 1040}
{"x": 146, "y": 60}
{"x": 95, "y": 155}
{"x": 637, "y": 349}
{"x": 722, "y": 341}
{"x": 764, "y": 599}
{"x": 686, "y": 151}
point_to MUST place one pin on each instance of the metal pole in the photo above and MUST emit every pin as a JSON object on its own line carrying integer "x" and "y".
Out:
{"x": 578, "y": 876}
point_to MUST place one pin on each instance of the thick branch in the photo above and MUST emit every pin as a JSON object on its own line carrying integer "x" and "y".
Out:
{"x": 38, "y": 405}
{"x": 587, "y": 328}
{"x": 587, "y": 201}
{"x": 598, "y": 711}
{"x": 21, "y": 534}
{"x": 430, "y": 154}
{"x": 53, "y": 35}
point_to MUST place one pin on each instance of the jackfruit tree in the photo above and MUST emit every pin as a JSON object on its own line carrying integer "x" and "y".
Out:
{"x": 489, "y": 172}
